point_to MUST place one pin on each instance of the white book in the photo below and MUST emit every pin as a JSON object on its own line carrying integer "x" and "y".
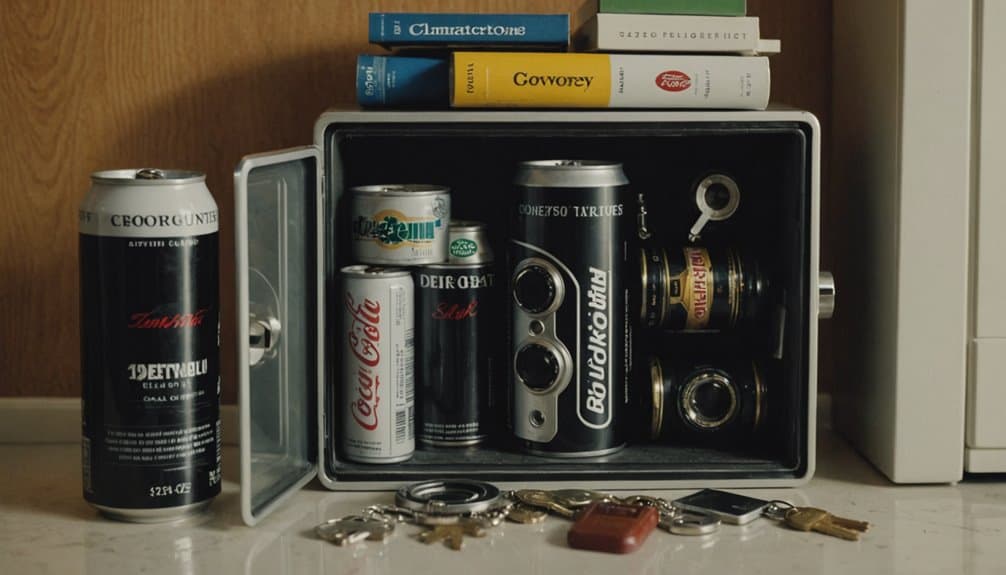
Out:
{"x": 608, "y": 32}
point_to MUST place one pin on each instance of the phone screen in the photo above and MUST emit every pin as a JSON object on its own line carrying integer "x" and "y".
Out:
{"x": 729, "y": 507}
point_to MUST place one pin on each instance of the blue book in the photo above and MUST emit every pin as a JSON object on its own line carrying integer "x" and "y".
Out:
{"x": 420, "y": 29}
{"x": 402, "y": 82}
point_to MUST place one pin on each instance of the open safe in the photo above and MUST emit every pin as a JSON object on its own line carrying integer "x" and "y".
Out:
{"x": 292, "y": 239}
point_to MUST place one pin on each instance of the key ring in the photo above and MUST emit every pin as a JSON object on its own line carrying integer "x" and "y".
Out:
{"x": 777, "y": 508}
{"x": 449, "y": 497}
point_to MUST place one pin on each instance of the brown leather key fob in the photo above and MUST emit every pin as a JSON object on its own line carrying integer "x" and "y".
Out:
{"x": 612, "y": 527}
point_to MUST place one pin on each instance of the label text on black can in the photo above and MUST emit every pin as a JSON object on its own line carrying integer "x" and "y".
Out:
{"x": 150, "y": 371}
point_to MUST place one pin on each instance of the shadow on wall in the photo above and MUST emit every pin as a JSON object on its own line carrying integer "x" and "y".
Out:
{"x": 211, "y": 126}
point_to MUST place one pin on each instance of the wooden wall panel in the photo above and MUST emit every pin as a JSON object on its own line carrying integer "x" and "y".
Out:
{"x": 98, "y": 84}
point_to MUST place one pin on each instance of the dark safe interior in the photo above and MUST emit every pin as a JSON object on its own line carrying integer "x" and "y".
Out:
{"x": 771, "y": 163}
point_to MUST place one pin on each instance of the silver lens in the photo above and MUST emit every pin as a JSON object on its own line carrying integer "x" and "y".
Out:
{"x": 709, "y": 401}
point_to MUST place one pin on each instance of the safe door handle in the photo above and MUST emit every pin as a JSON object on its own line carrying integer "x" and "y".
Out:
{"x": 826, "y": 295}
{"x": 263, "y": 339}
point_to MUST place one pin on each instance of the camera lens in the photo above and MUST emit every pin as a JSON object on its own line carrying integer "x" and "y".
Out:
{"x": 709, "y": 401}
{"x": 715, "y": 401}
{"x": 537, "y": 366}
{"x": 534, "y": 288}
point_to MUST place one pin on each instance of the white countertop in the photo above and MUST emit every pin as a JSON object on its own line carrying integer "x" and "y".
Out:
{"x": 46, "y": 527}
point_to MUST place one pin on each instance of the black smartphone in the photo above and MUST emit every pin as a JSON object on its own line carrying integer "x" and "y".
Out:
{"x": 728, "y": 507}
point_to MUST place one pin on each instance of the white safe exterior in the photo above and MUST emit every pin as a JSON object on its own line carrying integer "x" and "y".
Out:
{"x": 920, "y": 151}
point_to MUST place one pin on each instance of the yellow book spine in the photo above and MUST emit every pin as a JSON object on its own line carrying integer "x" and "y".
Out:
{"x": 530, "y": 80}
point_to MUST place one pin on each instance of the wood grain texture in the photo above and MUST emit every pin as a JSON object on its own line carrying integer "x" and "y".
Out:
{"x": 100, "y": 84}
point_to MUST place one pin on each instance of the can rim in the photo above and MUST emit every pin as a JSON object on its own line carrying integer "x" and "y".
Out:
{"x": 455, "y": 266}
{"x": 570, "y": 164}
{"x": 570, "y": 174}
{"x": 466, "y": 225}
{"x": 374, "y": 271}
{"x": 401, "y": 189}
{"x": 170, "y": 177}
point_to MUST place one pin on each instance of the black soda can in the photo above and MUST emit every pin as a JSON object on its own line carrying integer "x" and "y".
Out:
{"x": 569, "y": 331}
{"x": 149, "y": 341}
{"x": 456, "y": 307}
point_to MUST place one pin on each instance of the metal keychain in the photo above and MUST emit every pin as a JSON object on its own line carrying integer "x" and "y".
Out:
{"x": 567, "y": 502}
{"x": 450, "y": 509}
{"x": 447, "y": 509}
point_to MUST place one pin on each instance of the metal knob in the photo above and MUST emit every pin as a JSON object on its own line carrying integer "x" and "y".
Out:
{"x": 263, "y": 339}
{"x": 826, "y": 295}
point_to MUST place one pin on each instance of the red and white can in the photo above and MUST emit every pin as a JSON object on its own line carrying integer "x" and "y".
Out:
{"x": 378, "y": 356}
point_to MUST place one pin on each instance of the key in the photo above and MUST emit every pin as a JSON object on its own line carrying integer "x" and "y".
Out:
{"x": 453, "y": 535}
{"x": 814, "y": 519}
{"x": 543, "y": 500}
{"x": 353, "y": 529}
{"x": 574, "y": 499}
{"x": 526, "y": 514}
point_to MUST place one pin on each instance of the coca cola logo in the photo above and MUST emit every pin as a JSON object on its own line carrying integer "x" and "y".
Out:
{"x": 153, "y": 320}
{"x": 673, "y": 81}
{"x": 364, "y": 407}
{"x": 363, "y": 336}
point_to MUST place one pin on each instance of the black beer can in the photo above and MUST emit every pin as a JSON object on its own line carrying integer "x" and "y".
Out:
{"x": 692, "y": 399}
{"x": 694, "y": 288}
{"x": 455, "y": 354}
{"x": 149, "y": 339}
{"x": 569, "y": 331}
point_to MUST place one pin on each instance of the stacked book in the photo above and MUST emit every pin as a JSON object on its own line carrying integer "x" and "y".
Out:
{"x": 630, "y": 54}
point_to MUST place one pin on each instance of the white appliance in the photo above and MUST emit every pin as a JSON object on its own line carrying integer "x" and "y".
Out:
{"x": 918, "y": 152}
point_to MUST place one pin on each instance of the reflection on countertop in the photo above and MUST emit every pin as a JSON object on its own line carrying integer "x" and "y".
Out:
{"x": 45, "y": 526}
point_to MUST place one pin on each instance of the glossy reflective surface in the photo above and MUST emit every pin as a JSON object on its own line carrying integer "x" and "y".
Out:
{"x": 45, "y": 526}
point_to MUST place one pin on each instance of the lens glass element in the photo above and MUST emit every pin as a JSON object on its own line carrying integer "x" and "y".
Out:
{"x": 712, "y": 401}
{"x": 537, "y": 366}
{"x": 709, "y": 401}
{"x": 534, "y": 289}
{"x": 717, "y": 196}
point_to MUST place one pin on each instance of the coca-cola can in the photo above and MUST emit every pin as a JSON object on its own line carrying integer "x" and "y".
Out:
{"x": 378, "y": 355}
{"x": 149, "y": 344}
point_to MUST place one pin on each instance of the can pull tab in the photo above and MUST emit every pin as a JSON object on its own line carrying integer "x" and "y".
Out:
{"x": 643, "y": 231}
{"x": 263, "y": 339}
{"x": 149, "y": 174}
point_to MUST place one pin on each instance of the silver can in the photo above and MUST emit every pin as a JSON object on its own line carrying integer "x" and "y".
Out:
{"x": 401, "y": 224}
{"x": 570, "y": 335}
{"x": 149, "y": 342}
{"x": 469, "y": 243}
{"x": 378, "y": 357}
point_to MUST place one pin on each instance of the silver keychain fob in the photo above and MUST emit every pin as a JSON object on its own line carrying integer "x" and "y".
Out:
{"x": 690, "y": 524}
